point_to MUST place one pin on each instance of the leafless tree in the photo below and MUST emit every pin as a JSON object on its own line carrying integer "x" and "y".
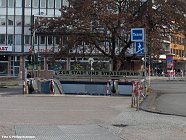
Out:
{"x": 104, "y": 25}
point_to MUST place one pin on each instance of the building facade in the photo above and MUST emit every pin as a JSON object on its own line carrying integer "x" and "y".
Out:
{"x": 16, "y": 41}
{"x": 174, "y": 46}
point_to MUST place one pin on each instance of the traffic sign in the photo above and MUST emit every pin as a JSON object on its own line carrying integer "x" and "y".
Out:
{"x": 137, "y": 34}
{"x": 139, "y": 47}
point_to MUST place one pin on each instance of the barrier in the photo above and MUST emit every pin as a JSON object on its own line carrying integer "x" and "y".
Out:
{"x": 24, "y": 87}
{"x": 85, "y": 87}
{"x": 52, "y": 90}
{"x": 138, "y": 93}
{"x": 97, "y": 88}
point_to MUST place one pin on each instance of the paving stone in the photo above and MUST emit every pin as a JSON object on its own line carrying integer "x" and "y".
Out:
{"x": 65, "y": 132}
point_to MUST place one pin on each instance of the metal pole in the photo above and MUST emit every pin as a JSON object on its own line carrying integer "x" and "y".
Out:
{"x": 91, "y": 70}
{"x": 149, "y": 71}
{"x": 33, "y": 52}
{"x": 38, "y": 64}
{"x": 145, "y": 65}
{"x": 22, "y": 64}
{"x": 33, "y": 41}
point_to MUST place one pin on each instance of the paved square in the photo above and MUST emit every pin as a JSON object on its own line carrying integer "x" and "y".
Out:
{"x": 65, "y": 132}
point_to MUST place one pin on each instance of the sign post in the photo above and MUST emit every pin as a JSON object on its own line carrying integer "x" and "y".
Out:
{"x": 138, "y": 36}
{"x": 139, "y": 48}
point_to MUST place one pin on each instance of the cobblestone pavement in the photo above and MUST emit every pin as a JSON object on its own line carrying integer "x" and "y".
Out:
{"x": 84, "y": 117}
{"x": 140, "y": 125}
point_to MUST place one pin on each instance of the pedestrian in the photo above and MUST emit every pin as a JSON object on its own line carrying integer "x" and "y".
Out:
{"x": 181, "y": 72}
{"x": 51, "y": 85}
{"x": 29, "y": 75}
{"x": 162, "y": 73}
{"x": 174, "y": 74}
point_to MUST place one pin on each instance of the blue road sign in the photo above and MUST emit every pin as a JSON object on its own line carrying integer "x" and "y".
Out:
{"x": 137, "y": 34}
{"x": 139, "y": 47}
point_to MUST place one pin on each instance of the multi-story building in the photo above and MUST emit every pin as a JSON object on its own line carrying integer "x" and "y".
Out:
{"x": 16, "y": 19}
{"x": 174, "y": 45}
{"x": 177, "y": 47}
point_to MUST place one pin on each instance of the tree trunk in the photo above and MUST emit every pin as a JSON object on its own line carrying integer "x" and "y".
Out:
{"x": 116, "y": 64}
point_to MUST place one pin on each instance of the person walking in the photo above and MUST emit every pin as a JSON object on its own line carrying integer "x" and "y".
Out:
{"x": 29, "y": 75}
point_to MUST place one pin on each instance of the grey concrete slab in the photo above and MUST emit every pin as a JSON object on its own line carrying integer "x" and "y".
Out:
{"x": 65, "y": 132}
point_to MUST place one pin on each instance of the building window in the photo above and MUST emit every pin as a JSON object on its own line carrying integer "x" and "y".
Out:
{"x": 58, "y": 4}
{"x": 27, "y": 3}
{"x": 2, "y": 20}
{"x": 18, "y": 3}
{"x": 57, "y": 40}
{"x": 42, "y": 3}
{"x": 10, "y": 39}
{"x": 50, "y": 64}
{"x": 27, "y": 20}
{"x": 27, "y": 39}
{"x": 2, "y": 3}
{"x": 10, "y": 20}
{"x": 42, "y": 40}
{"x": 50, "y": 40}
{"x": 10, "y": 3}
{"x": 18, "y": 21}
{"x": 50, "y": 3}
{"x": 35, "y": 3}
{"x": 18, "y": 39}
{"x": 2, "y": 39}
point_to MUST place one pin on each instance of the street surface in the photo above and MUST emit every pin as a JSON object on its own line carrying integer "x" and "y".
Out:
{"x": 50, "y": 117}
{"x": 11, "y": 90}
{"x": 172, "y": 96}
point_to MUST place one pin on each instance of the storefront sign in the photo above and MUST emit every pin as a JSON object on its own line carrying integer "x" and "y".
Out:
{"x": 5, "y": 48}
{"x": 96, "y": 73}
{"x": 41, "y": 50}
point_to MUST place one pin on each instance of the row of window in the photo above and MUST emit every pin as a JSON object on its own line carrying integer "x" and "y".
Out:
{"x": 16, "y": 39}
{"x": 42, "y": 40}
{"x": 35, "y": 3}
{"x": 14, "y": 20}
{"x": 177, "y": 52}
{"x": 177, "y": 40}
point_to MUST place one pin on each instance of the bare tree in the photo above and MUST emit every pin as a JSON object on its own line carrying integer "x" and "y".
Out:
{"x": 105, "y": 26}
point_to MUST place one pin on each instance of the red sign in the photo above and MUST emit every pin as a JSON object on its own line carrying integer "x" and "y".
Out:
{"x": 41, "y": 50}
{"x": 5, "y": 48}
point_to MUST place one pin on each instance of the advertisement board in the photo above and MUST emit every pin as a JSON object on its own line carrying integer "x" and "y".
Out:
{"x": 169, "y": 64}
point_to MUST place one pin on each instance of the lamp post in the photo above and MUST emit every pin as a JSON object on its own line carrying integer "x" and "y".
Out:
{"x": 35, "y": 52}
{"x": 119, "y": 11}
{"x": 91, "y": 61}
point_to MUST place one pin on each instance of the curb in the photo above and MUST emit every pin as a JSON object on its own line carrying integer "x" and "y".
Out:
{"x": 68, "y": 95}
{"x": 149, "y": 105}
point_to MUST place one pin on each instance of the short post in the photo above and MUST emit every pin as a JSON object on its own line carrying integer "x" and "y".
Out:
{"x": 51, "y": 85}
{"x": 181, "y": 74}
{"x": 24, "y": 87}
{"x": 133, "y": 94}
{"x": 108, "y": 86}
{"x": 137, "y": 97}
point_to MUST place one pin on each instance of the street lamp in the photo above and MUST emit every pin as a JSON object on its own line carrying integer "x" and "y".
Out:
{"x": 35, "y": 52}
{"x": 91, "y": 61}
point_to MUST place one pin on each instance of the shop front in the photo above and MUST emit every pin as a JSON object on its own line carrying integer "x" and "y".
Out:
{"x": 9, "y": 62}
{"x": 3, "y": 65}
